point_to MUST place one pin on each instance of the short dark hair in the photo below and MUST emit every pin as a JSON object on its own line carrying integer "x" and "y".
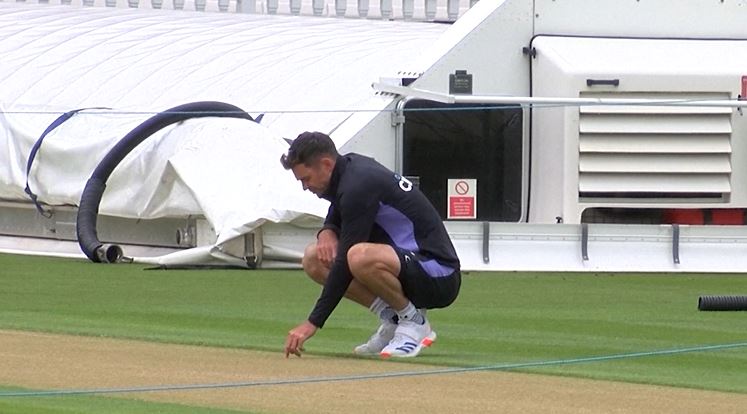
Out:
{"x": 307, "y": 148}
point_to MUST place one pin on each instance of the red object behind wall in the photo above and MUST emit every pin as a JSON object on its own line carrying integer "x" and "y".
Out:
{"x": 683, "y": 216}
{"x": 718, "y": 216}
{"x": 727, "y": 216}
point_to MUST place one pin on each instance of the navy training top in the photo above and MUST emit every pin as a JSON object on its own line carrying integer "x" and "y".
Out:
{"x": 370, "y": 203}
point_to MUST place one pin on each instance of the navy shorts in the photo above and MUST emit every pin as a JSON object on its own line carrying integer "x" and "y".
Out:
{"x": 424, "y": 290}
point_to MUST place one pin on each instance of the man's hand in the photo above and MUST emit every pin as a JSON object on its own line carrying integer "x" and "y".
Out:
{"x": 297, "y": 336}
{"x": 326, "y": 247}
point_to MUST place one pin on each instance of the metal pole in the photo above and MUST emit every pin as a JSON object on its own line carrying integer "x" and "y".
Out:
{"x": 536, "y": 100}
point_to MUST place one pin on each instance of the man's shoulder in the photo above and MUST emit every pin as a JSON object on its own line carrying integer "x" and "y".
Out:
{"x": 361, "y": 160}
{"x": 361, "y": 166}
{"x": 364, "y": 179}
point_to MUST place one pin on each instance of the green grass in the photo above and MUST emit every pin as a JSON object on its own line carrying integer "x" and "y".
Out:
{"x": 498, "y": 318}
{"x": 95, "y": 405}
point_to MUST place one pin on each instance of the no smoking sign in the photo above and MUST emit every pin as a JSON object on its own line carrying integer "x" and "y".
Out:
{"x": 462, "y": 203}
{"x": 461, "y": 187}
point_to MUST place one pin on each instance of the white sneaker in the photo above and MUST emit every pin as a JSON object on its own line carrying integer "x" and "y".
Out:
{"x": 409, "y": 338}
{"x": 378, "y": 340}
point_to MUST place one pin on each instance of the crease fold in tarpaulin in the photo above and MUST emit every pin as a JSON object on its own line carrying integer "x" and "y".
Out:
{"x": 244, "y": 187}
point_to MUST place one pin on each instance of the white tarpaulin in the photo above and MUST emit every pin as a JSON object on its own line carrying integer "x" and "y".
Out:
{"x": 224, "y": 169}
{"x": 301, "y": 73}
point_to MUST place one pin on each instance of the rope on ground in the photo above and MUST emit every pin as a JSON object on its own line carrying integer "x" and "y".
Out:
{"x": 385, "y": 375}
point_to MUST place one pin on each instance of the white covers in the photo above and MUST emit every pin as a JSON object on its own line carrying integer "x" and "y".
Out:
{"x": 302, "y": 73}
{"x": 145, "y": 60}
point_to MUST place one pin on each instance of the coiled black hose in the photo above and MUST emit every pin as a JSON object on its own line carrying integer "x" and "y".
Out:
{"x": 88, "y": 209}
{"x": 722, "y": 303}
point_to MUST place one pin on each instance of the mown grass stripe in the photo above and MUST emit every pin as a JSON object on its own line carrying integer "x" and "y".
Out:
{"x": 509, "y": 317}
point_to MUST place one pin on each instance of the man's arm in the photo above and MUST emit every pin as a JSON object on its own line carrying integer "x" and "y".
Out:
{"x": 356, "y": 227}
{"x": 358, "y": 212}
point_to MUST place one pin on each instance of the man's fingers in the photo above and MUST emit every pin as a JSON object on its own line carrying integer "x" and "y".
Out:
{"x": 294, "y": 345}
{"x": 328, "y": 261}
{"x": 290, "y": 345}
{"x": 297, "y": 336}
{"x": 326, "y": 255}
{"x": 296, "y": 352}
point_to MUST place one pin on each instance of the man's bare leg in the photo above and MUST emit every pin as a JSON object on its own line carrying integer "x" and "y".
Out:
{"x": 362, "y": 295}
{"x": 377, "y": 268}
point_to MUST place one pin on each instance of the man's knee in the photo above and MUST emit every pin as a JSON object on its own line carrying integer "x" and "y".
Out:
{"x": 359, "y": 257}
{"x": 365, "y": 257}
{"x": 312, "y": 266}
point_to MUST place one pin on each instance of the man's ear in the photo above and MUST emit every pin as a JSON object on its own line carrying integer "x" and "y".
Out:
{"x": 327, "y": 163}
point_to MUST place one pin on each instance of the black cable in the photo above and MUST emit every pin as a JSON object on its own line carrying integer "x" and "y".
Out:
{"x": 88, "y": 207}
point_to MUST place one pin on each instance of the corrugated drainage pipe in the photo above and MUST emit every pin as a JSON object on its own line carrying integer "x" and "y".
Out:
{"x": 722, "y": 303}
{"x": 88, "y": 208}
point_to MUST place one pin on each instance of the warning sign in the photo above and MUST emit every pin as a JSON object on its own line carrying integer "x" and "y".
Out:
{"x": 462, "y": 201}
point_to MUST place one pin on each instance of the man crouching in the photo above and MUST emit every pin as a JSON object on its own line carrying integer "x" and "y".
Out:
{"x": 383, "y": 245}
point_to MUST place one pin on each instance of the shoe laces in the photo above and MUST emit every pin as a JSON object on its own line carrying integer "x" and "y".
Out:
{"x": 400, "y": 338}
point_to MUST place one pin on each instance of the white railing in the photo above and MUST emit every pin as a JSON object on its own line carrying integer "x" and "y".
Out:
{"x": 428, "y": 10}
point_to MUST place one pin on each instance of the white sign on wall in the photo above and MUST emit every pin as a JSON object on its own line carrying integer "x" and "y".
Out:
{"x": 462, "y": 203}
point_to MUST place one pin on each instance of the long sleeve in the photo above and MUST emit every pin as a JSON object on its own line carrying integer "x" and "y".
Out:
{"x": 357, "y": 208}
{"x": 332, "y": 221}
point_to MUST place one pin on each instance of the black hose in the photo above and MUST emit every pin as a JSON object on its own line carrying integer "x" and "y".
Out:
{"x": 722, "y": 303}
{"x": 88, "y": 208}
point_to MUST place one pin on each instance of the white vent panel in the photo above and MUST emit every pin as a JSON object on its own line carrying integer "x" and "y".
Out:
{"x": 655, "y": 184}
{"x": 655, "y": 163}
{"x": 654, "y": 151}
{"x": 656, "y": 143}
{"x": 655, "y": 124}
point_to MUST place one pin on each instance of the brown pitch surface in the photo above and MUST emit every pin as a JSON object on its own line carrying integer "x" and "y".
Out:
{"x": 49, "y": 361}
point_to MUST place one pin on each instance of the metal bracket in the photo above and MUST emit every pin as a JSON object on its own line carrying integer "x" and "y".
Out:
{"x": 398, "y": 118}
{"x": 676, "y": 243}
{"x": 585, "y": 241}
{"x": 486, "y": 242}
{"x": 739, "y": 108}
{"x": 253, "y": 248}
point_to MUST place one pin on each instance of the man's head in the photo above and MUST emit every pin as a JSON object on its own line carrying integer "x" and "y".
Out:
{"x": 312, "y": 157}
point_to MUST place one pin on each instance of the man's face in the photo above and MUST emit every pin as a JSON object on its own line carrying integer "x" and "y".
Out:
{"x": 315, "y": 177}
